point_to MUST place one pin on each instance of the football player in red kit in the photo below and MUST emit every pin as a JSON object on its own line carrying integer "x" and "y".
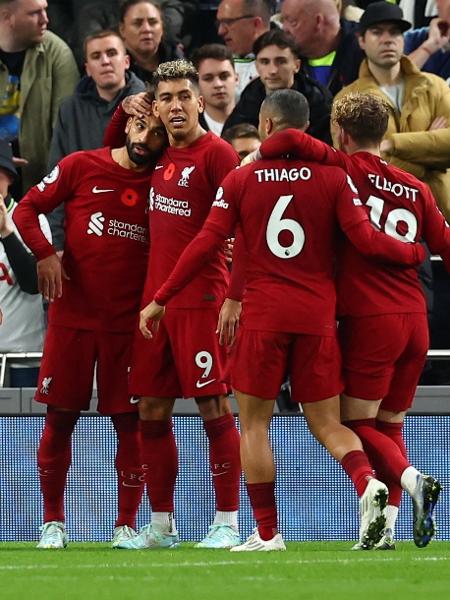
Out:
{"x": 290, "y": 213}
{"x": 94, "y": 297}
{"x": 383, "y": 327}
{"x": 185, "y": 359}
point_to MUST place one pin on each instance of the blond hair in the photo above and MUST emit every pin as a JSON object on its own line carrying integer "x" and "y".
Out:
{"x": 175, "y": 69}
{"x": 363, "y": 116}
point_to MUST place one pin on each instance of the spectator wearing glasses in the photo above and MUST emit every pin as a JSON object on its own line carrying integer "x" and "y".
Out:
{"x": 240, "y": 23}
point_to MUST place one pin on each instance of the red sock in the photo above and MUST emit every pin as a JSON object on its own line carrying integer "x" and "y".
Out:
{"x": 130, "y": 474}
{"x": 54, "y": 457}
{"x": 160, "y": 458}
{"x": 262, "y": 499}
{"x": 384, "y": 454}
{"x": 357, "y": 467}
{"x": 224, "y": 460}
{"x": 395, "y": 432}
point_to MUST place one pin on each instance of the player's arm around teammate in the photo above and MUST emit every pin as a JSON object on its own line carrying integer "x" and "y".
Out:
{"x": 105, "y": 192}
{"x": 391, "y": 327}
{"x": 184, "y": 359}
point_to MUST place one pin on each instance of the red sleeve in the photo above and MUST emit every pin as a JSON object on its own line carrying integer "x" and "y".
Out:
{"x": 236, "y": 286}
{"x": 221, "y": 222}
{"x": 436, "y": 231}
{"x": 114, "y": 135}
{"x": 201, "y": 249}
{"x": 44, "y": 197}
{"x": 371, "y": 243}
{"x": 223, "y": 160}
{"x": 299, "y": 144}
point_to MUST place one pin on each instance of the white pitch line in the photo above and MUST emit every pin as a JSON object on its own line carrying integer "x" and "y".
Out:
{"x": 221, "y": 563}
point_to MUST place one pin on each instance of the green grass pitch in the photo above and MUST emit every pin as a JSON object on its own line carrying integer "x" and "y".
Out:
{"x": 322, "y": 571}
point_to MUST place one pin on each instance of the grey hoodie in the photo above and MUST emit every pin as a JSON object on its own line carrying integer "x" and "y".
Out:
{"x": 83, "y": 118}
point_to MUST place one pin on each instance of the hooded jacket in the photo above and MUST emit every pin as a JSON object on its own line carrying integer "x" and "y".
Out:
{"x": 81, "y": 123}
{"x": 83, "y": 118}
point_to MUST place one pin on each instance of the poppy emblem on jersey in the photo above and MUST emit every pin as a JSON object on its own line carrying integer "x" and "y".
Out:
{"x": 129, "y": 197}
{"x": 168, "y": 173}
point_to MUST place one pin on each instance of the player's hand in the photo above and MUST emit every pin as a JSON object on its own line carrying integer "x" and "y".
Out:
{"x": 439, "y": 123}
{"x": 50, "y": 274}
{"x": 137, "y": 105}
{"x": 153, "y": 312}
{"x": 251, "y": 157}
{"x": 228, "y": 247}
{"x": 6, "y": 226}
{"x": 228, "y": 322}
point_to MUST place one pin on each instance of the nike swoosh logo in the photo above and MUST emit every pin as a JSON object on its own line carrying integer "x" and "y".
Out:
{"x": 96, "y": 190}
{"x": 128, "y": 485}
{"x": 134, "y": 400}
{"x": 159, "y": 167}
{"x": 201, "y": 384}
{"x": 217, "y": 474}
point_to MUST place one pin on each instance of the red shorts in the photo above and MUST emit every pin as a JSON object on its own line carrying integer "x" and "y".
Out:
{"x": 67, "y": 370}
{"x": 262, "y": 359}
{"x": 383, "y": 357}
{"x": 183, "y": 359}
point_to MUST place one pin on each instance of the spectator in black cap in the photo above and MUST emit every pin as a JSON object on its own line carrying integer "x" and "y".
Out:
{"x": 418, "y": 135}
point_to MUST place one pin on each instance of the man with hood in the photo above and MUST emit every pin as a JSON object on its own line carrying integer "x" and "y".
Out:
{"x": 83, "y": 116}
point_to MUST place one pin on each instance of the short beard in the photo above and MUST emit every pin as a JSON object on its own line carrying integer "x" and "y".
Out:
{"x": 138, "y": 159}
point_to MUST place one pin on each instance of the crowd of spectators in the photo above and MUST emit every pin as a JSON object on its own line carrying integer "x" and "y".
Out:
{"x": 65, "y": 66}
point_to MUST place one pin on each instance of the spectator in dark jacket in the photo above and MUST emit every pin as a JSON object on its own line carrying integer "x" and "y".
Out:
{"x": 278, "y": 65}
{"x": 141, "y": 27}
{"x": 73, "y": 20}
{"x": 327, "y": 44}
{"x": 83, "y": 117}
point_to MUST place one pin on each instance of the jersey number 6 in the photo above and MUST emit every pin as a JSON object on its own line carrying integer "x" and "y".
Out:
{"x": 276, "y": 225}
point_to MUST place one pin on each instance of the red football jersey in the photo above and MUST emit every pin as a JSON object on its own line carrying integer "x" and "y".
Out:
{"x": 289, "y": 213}
{"x": 398, "y": 204}
{"x": 106, "y": 238}
{"x": 183, "y": 188}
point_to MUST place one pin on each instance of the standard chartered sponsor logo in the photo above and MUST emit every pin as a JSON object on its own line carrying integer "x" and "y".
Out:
{"x": 96, "y": 224}
{"x": 130, "y": 231}
{"x": 172, "y": 206}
